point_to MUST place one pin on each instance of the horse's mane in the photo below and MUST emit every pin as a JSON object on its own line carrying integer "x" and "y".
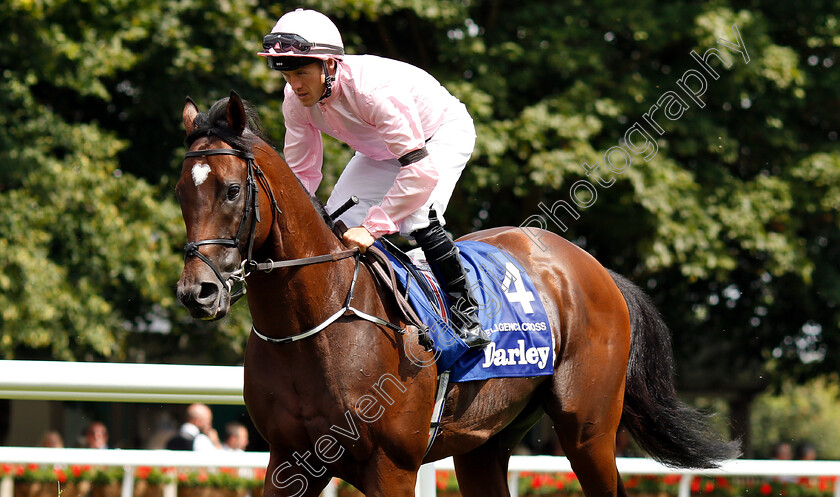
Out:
{"x": 214, "y": 123}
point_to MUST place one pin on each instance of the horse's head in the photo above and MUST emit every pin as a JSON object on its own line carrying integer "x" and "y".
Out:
{"x": 219, "y": 191}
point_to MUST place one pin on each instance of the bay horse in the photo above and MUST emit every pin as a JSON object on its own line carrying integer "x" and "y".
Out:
{"x": 336, "y": 394}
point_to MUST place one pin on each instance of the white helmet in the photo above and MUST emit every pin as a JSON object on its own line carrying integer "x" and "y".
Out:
{"x": 301, "y": 34}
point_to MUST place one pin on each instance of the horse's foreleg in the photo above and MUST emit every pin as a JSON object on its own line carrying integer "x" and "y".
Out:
{"x": 383, "y": 478}
{"x": 285, "y": 477}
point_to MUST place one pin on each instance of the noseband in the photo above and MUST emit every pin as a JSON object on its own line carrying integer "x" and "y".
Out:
{"x": 252, "y": 203}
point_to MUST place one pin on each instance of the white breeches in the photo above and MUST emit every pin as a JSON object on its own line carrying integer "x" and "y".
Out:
{"x": 369, "y": 179}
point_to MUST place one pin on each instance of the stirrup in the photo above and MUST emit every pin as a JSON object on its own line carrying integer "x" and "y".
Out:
{"x": 468, "y": 327}
{"x": 474, "y": 337}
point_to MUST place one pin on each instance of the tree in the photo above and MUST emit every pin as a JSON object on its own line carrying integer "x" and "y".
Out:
{"x": 798, "y": 414}
{"x": 90, "y": 253}
{"x": 729, "y": 222}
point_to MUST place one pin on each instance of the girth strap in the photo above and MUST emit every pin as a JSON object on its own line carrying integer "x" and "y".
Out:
{"x": 347, "y": 307}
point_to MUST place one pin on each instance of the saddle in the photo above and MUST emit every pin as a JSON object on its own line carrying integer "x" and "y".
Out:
{"x": 510, "y": 310}
{"x": 382, "y": 270}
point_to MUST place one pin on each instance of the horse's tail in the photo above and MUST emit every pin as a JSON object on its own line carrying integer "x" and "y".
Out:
{"x": 672, "y": 432}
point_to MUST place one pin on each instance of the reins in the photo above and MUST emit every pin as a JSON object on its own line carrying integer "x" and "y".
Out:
{"x": 248, "y": 265}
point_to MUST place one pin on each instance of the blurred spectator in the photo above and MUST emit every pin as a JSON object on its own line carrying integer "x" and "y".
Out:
{"x": 197, "y": 433}
{"x": 782, "y": 451}
{"x": 165, "y": 427}
{"x": 96, "y": 436}
{"x": 236, "y": 437}
{"x": 236, "y": 440}
{"x": 806, "y": 452}
{"x": 52, "y": 439}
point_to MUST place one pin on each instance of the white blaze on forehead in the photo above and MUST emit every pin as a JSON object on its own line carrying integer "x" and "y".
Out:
{"x": 199, "y": 173}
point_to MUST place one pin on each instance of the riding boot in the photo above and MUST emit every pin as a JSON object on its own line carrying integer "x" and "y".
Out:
{"x": 442, "y": 255}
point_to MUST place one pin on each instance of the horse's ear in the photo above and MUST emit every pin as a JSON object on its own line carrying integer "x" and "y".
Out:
{"x": 236, "y": 113}
{"x": 190, "y": 111}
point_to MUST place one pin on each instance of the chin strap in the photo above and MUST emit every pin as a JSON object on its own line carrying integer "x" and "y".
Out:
{"x": 328, "y": 81}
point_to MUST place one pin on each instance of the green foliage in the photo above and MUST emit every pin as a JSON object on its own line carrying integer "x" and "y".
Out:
{"x": 225, "y": 478}
{"x": 86, "y": 250}
{"x": 807, "y": 413}
{"x": 153, "y": 475}
{"x": 32, "y": 473}
{"x": 731, "y": 224}
{"x": 35, "y": 473}
{"x": 107, "y": 475}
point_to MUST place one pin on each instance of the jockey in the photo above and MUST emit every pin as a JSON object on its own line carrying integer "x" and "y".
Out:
{"x": 411, "y": 136}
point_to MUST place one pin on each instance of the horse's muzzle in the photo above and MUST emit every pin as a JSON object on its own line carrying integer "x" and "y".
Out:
{"x": 206, "y": 299}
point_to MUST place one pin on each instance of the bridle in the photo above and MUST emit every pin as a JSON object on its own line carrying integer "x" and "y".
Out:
{"x": 252, "y": 203}
{"x": 254, "y": 180}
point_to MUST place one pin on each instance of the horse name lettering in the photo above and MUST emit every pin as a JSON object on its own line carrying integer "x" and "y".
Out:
{"x": 508, "y": 357}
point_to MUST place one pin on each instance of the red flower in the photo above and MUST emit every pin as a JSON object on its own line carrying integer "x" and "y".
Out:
{"x": 441, "y": 479}
{"x": 823, "y": 482}
{"x": 32, "y": 467}
{"x": 202, "y": 477}
{"x": 19, "y": 471}
{"x": 60, "y": 475}
{"x": 632, "y": 482}
{"x": 77, "y": 470}
{"x": 143, "y": 472}
{"x": 722, "y": 482}
{"x": 695, "y": 484}
{"x": 259, "y": 473}
{"x": 182, "y": 477}
{"x": 765, "y": 489}
{"x": 540, "y": 480}
{"x": 559, "y": 484}
{"x": 672, "y": 479}
{"x": 6, "y": 469}
{"x": 571, "y": 477}
{"x": 709, "y": 487}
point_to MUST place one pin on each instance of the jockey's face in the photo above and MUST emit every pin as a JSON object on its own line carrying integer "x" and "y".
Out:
{"x": 307, "y": 82}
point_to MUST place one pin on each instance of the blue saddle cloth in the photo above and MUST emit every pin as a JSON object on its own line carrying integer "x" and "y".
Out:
{"x": 509, "y": 309}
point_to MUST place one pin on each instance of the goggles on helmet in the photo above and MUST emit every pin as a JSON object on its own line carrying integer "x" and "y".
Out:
{"x": 283, "y": 43}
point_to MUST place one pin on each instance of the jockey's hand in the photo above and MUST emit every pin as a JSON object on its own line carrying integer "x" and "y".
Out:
{"x": 358, "y": 236}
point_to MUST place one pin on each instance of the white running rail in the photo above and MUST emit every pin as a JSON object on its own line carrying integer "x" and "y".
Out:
{"x": 111, "y": 382}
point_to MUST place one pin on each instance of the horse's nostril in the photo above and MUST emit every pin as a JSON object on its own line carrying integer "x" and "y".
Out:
{"x": 208, "y": 290}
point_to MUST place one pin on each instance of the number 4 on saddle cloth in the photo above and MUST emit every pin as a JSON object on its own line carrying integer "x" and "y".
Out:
{"x": 509, "y": 309}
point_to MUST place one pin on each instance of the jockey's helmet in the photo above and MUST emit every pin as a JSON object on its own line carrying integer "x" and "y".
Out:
{"x": 299, "y": 38}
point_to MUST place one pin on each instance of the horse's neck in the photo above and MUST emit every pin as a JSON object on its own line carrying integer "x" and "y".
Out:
{"x": 302, "y": 296}
{"x": 299, "y": 231}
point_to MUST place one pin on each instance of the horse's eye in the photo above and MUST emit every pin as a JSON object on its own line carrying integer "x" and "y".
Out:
{"x": 233, "y": 192}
